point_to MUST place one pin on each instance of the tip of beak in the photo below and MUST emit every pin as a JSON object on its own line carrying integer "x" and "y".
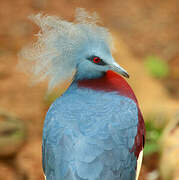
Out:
{"x": 115, "y": 67}
{"x": 125, "y": 74}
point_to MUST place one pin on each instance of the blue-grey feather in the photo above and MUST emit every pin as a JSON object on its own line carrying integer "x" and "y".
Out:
{"x": 89, "y": 171}
{"x": 84, "y": 140}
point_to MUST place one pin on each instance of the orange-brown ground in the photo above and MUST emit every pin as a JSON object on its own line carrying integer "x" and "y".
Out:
{"x": 147, "y": 27}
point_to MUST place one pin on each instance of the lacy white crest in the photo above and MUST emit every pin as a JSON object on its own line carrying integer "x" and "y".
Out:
{"x": 59, "y": 46}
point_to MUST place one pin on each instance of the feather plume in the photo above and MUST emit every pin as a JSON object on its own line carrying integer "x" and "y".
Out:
{"x": 60, "y": 45}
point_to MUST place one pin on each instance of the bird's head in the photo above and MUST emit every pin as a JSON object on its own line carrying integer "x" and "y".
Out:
{"x": 80, "y": 48}
{"x": 95, "y": 59}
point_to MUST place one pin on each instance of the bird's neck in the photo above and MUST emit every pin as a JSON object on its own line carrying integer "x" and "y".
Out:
{"x": 113, "y": 82}
{"x": 109, "y": 82}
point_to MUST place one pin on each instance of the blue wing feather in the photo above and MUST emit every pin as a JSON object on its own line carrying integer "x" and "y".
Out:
{"x": 82, "y": 143}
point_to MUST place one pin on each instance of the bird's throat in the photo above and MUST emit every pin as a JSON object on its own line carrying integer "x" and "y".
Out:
{"x": 111, "y": 81}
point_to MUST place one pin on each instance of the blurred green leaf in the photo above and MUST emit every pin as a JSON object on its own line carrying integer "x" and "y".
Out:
{"x": 152, "y": 136}
{"x": 156, "y": 66}
{"x": 150, "y": 148}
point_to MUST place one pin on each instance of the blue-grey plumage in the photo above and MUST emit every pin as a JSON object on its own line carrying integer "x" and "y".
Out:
{"x": 88, "y": 135}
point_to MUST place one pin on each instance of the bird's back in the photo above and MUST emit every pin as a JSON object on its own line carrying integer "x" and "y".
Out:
{"x": 90, "y": 133}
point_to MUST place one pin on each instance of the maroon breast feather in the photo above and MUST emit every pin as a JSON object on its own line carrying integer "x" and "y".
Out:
{"x": 114, "y": 82}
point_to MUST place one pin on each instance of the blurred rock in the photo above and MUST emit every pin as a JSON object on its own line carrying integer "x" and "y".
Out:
{"x": 12, "y": 134}
{"x": 169, "y": 163}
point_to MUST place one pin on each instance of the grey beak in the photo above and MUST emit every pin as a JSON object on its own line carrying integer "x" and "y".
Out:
{"x": 115, "y": 67}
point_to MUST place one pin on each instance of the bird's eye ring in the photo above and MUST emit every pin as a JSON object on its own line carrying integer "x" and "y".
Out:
{"x": 96, "y": 60}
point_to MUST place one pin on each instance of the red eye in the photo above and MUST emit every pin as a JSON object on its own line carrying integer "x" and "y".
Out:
{"x": 96, "y": 60}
